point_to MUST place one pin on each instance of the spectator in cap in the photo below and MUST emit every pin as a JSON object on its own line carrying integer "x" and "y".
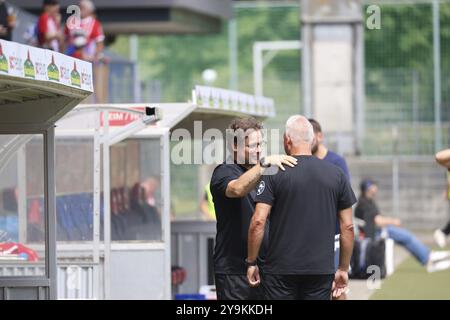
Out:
{"x": 367, "y": 210}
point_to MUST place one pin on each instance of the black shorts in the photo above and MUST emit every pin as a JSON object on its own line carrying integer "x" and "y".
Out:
{"x": 298, "y": 287}
{"x": 236, "y": 287}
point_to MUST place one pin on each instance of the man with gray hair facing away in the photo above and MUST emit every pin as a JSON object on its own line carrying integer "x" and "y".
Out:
{"x": 302, "y": 202}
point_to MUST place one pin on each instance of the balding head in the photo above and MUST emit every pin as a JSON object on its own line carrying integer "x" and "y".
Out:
{"x": 87, "y": 8}
{"x": 299, "y": 135}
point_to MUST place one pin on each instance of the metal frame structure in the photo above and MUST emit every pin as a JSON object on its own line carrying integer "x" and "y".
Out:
{"x": 30, "y": 104}
{"x": 104, "y": 138}
{"x": 260, "y": 61}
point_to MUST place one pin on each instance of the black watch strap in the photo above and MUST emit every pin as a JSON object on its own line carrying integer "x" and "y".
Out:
{"x": 250, "y": 263}
{"x": 263, "y": 163}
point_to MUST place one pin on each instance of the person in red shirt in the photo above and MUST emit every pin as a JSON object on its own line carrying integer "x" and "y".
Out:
{"x": 85, "y": 38}
{"x": 49, "y": 32}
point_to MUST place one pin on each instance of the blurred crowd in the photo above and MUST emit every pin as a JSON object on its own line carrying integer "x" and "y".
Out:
{"x": 80, "y": 36}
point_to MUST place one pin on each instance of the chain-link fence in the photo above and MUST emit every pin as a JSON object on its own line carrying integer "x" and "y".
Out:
{"x": 399, "y": 75}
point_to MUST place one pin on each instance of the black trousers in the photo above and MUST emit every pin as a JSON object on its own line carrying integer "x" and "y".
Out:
{"x": 446, "y": 230}
{"x": 298, "y": 287}
{"x": 236, "y": 287}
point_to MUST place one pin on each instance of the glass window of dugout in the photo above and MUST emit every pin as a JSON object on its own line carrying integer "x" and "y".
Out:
{"x": 135, "y": 195}
{"x": 74, "y": 172}
{"x": 22, "y": 206}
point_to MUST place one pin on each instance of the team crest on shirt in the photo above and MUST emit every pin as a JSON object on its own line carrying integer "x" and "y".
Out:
{"x": 261, "y": 187}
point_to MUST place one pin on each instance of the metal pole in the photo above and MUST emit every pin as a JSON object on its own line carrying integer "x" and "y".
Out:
{"x": 307, "y": 70}
{"x": 50, "y": 203}
{"x": 134, "y": 56}
{"x": 257, "y": 70}
{"x": 395, "y": 173}
{"x": 107, "y": 210}
{"x": 233, "y": 55}
{"x": 96, "y": 228}
{"x": 437, "y": 77}
{"x": 22, "y": 186}
{"x": 359, "y": 85}
{"x": 415, "y": 106}
{"x": 165, "y": 165}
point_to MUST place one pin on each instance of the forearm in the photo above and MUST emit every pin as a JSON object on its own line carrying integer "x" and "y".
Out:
{"x": 346, "y": 247}
{"x": 381, "y": 221}
{"x": 443, "y": 158}
{"x": 51, "y": 37}
{"x": 255, "y": 237}
{"x": 204, "y": 208}
{"x": 245, "y": 183}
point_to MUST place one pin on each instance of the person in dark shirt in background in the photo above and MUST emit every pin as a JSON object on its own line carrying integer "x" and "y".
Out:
{"x": 322, "y": 152}
{"x": 367, "y": 210}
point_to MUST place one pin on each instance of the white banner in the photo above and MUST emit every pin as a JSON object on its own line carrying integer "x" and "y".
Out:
{"x": 216, "y": 98}
{"x": 23, "y": 61}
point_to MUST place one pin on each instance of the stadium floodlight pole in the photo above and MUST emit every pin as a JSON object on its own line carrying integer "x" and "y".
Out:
{"x": 437, "y": 77}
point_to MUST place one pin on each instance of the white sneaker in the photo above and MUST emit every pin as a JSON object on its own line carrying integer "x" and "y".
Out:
{"x": 436, "y": 256}
{"x": 440, "y": 238}
{"x": 438, "y": 266}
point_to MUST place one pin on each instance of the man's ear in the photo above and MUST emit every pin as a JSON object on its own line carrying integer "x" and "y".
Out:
{"x": 320, "y": 137}
{"x": 287, "y": 141}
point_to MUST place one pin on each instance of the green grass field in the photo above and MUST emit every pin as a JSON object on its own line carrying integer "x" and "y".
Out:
{"x": 411, "y": 281}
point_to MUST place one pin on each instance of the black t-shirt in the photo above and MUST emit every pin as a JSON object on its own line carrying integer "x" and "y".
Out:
{"x": 233, "y": 220}
{"x": 304, "y": 200}
{"x": 367, "y": 210}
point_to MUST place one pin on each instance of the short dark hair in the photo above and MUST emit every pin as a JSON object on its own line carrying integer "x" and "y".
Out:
{"x": 50, "y": 2}
{"x": 316, "y": 125}
{"x": 365, "y": 184}
{"x": 244, "y": 124}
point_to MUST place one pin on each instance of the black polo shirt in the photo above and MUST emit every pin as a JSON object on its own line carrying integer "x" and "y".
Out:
{"x": 304, "y": 200}
{"x": 233, "y": 220}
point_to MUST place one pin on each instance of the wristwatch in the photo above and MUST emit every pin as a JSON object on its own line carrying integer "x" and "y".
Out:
{"x": 263, "y": 163}
{"x": 250, "y": 263}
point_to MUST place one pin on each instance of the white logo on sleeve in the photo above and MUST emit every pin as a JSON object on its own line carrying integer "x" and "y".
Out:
{"x": 261, "y": 187}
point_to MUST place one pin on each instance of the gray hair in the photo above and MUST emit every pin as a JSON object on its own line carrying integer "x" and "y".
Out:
{"x": 89, "y": 5}
{"x": 299, "y": 130}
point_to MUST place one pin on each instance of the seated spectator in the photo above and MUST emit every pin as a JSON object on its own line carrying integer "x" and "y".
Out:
{"x": 150, "y": 226}
{"x": 367, "y": 210}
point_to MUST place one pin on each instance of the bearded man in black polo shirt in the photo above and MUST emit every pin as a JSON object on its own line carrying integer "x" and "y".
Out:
{"x": 233, "y": 186}
{"x": 304, "y": 203}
